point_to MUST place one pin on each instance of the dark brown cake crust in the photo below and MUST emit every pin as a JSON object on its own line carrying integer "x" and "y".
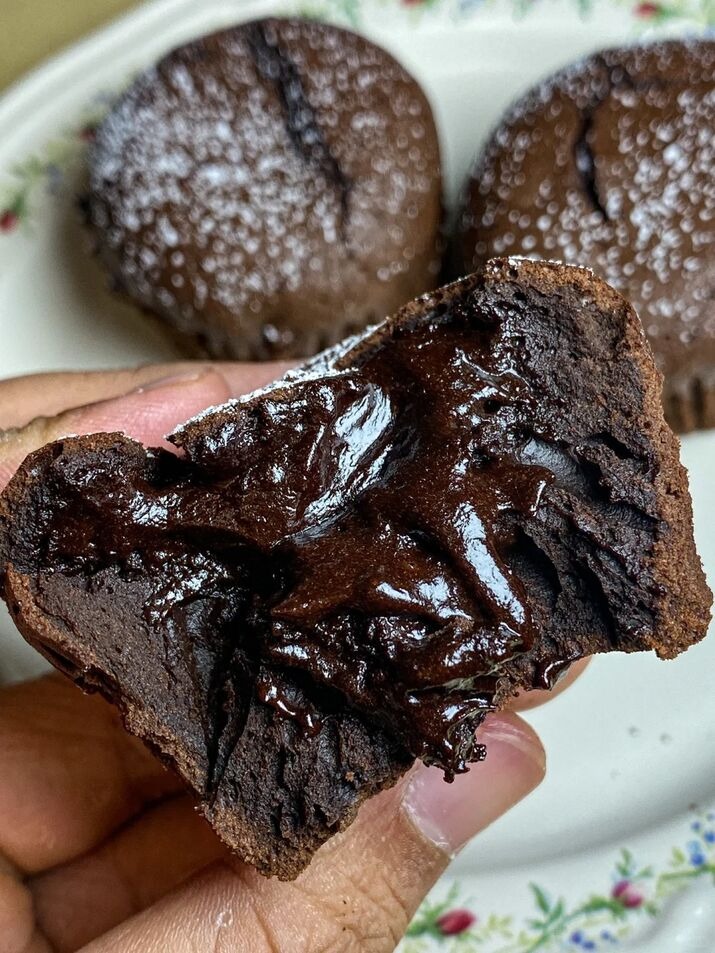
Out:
{"x": 269, "y": 189}
{"x": 349, "y": 568}
{"x": 609, "y": 164}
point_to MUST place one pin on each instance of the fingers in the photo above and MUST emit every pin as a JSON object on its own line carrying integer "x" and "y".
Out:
{"x": 364, "y": 886}
{"x": 22, "y": 399}
{"x": 72, "y": 782}
{"x": 136, "y": 866}
{"x": 242, "y": 378}
{"x": 44, "y": 395}
{"x": 16, "y": 915}
{"x": 72, "y": 796}
{"x": 146, "y": 413}
{"x": 70, "y": 776}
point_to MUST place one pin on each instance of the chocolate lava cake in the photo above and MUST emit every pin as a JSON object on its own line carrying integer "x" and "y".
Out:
{"x": 611, "y": 164}
{"x": 269, "y": 189}
{"x": 350, "y": 568}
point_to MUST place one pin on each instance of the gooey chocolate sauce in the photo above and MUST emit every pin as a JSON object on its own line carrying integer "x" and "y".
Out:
{"x": 348, "y": 534}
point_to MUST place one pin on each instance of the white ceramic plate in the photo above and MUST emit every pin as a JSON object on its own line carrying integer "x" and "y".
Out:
{"x": 617, "y": 847}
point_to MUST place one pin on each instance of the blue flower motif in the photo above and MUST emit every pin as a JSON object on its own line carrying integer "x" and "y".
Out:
{"x": 468, "y": 6}
{"x": 695, "y": 826}
{"x": 709, "y": 837}
{"x": 579, "y": 938}
{"x": 697, "y": 857}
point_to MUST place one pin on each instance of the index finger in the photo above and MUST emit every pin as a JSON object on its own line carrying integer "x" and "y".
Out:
{"x": 147, "y": 413}
{"x": 22, "y": 399}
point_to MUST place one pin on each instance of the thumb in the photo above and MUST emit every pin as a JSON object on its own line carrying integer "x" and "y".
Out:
{"x": 363, "y": 887}
{"x": 147, "y": 413}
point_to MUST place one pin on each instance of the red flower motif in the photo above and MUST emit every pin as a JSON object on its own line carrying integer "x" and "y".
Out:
{"x": 88, "y": 133}
{"x": 412, "y": 3}
{"x": 627, "y": 894}
{"x": 454, "y": 922}
{"x": 8, "y": 220}
{"x": 647, "y": 10}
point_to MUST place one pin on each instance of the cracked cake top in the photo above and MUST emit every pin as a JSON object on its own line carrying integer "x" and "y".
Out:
{"x": 609, "y": 164}
{"x": 268, "y": 189}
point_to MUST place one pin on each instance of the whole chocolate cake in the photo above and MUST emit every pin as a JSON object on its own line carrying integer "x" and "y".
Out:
{"x": 610, "y": 164}
{"x": 348, "y": 569}
{"x": 269, "y": 189}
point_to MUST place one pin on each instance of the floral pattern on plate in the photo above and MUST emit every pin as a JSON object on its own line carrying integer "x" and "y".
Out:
{"x": 699, "y": 14}
{"x": 47, "y": 169}
{"x": 615, "y": 912}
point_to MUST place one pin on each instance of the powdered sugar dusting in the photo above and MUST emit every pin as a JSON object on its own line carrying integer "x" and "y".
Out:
{"x": 257, "y": 178}
{"x": 610, "y": 164}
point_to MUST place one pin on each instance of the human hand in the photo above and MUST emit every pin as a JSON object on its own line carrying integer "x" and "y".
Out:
{"x": 100, "y": 847}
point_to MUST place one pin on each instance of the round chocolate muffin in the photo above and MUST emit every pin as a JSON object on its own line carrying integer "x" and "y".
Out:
{"x": 611, "y": 164}
{"x": 268, "y": 189}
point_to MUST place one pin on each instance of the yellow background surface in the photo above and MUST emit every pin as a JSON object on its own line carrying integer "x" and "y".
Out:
{"x": 32, "y": 30}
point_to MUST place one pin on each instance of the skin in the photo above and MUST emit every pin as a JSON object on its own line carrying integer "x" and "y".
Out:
{"x": 101, "y": 848}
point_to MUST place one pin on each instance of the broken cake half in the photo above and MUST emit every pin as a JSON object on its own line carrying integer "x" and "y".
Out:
{"x": 348, "y": 569}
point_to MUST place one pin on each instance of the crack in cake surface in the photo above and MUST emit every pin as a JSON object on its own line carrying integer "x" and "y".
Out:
{"x": 274, "y": 65}
{"x": 269, "y": 188}
{"x": 608, "y": 164}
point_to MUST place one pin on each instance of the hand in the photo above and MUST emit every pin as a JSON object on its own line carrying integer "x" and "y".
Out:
{"x": 100, "y": 847}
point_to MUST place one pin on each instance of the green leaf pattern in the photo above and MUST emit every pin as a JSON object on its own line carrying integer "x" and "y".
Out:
{"x": 634, "y": 895}
{"x": 699, "y": 14}
{"x": 46, "y": 171}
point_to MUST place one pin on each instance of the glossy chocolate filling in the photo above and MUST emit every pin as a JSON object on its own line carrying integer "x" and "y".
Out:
{"x": 380, "y": 531}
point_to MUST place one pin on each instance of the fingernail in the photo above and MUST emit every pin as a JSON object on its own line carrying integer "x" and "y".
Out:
{"x": 449, "y": 815}
{"x": 153, "y": 409}
{"x": 186, "y": 377}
